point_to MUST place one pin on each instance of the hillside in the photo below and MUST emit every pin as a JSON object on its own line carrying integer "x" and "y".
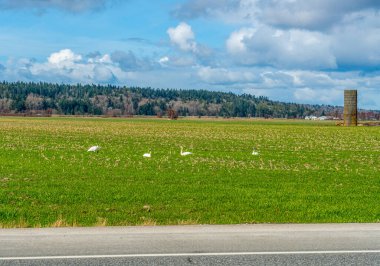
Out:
{"x": 47, "y": 98}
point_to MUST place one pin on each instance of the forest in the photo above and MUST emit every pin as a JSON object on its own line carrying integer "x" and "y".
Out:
{"x": 40, "y": 98}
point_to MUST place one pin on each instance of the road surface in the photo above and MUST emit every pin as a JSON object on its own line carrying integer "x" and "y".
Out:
{"x": 270, "y": 244}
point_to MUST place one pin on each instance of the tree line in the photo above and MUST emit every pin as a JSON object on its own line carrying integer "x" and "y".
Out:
{"x": 31, "y": 98}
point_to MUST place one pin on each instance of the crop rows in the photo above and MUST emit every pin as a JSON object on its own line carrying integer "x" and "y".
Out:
{"x": 305, "y": 172}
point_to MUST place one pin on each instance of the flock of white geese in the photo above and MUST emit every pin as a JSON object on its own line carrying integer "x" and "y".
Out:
{"x": 149, "y": 154}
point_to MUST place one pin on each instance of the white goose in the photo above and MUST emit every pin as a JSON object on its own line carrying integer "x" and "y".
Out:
{"x": 185, "y": 153}
{"x": 94, "y": 148}
{"x": 254, "y": 152}
{"x": 148, "y": 154}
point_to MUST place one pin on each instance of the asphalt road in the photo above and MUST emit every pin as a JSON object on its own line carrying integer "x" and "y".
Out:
{"x": 262, "y": 244}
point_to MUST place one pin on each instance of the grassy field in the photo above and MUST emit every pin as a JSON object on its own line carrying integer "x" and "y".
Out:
{"x": 306, "y": 172}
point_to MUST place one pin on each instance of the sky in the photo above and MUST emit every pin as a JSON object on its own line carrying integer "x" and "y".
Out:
{"x": 288, "y": 50}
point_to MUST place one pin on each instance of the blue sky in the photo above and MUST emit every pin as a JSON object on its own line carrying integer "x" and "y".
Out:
{"x": 289, "y": 50}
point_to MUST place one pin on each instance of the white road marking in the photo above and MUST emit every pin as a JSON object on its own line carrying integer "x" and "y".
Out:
{"x": 194, "y": 254}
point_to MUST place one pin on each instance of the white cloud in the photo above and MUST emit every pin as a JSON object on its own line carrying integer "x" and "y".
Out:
{"x": 300, "y": 86}
{"x": 305, "y": 94}
{"x": 311, "y": 14}
{"x": 128, "y": 61}
{"x": 296, "y": 34}
{"x": 356, "y": 40}
{"x": 163, "y": 60}
{"x": 201, "y": 8}
{"x": 63, "y": 58}
{"x": 236, "y": 42}
{"x": 103, "y": 74}
{"x": 326, "y": 96}
{"x": 301, "y": 14}
{"x": 190, "y": 52}
{"x": 281, "y": 48}
{"x": 225, "y": 76}
{"x": 183, "y": 37}
{"x": 178, "y": 61}
{"x": 105, "y": 59}
{"x": 67, "y": 67}
{"x": 277, "y": 79}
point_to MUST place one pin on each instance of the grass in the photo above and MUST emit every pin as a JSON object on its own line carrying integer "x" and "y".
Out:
{"x": 307, "y": 172}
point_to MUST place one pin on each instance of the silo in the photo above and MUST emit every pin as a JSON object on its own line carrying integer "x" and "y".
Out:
{"x": 350, "y": 112}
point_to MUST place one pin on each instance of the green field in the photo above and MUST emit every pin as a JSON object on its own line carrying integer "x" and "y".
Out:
{"x": 306, "y": 172}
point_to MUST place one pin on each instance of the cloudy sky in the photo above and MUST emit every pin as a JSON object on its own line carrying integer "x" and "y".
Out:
{"x": 289, "y": 50}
